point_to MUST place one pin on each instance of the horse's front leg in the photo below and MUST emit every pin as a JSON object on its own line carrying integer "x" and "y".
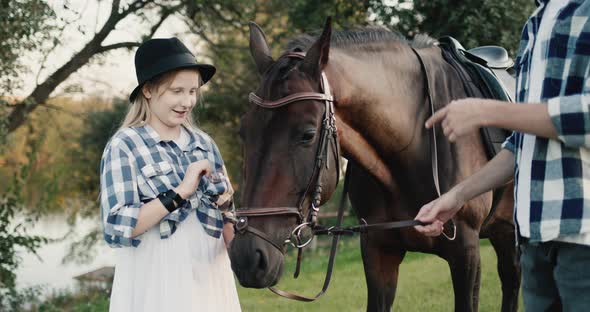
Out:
{"x": 462, "y": 255}
{"x": 381, "y": 271}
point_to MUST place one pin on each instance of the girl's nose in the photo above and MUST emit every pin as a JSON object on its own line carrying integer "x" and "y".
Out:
{"x": 189, "y": 101}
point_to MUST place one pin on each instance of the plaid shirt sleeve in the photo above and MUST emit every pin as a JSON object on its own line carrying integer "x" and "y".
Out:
{"x": 570, "y": 115}
{"x": 119, "y": 198}
{"x": 217, "y": 188}
{"x": 510, "y": 143}
{"x": 213, "y": 197}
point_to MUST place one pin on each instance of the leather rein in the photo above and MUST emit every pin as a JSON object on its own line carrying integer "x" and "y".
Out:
{"x": 328, "y": 136}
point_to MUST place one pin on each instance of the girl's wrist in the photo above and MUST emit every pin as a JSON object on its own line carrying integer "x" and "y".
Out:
{"x": 181, "y": 192}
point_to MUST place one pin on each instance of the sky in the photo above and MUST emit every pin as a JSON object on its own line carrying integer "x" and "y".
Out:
{"x": 110, "y": 75}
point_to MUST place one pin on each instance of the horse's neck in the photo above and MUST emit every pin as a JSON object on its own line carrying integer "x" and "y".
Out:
{"x": 381, "y": 109}
{"x": 377, "y": 95}
{"x": 376, "y": 106}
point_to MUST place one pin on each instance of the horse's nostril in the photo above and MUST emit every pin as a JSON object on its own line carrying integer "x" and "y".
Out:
{"x": 261, "y": 260}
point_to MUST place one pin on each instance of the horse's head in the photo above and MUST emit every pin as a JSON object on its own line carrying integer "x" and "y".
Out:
{"x": 290, "y": 157}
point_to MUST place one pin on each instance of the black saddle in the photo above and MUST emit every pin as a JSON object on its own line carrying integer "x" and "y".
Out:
{"x": 486, "y": 72}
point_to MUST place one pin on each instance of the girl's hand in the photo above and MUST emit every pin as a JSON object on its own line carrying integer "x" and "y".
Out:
{"x": 192, "y": 177}
{"x": 228, "y": 233}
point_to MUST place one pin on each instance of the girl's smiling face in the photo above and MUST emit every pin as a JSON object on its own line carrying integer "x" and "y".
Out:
{"x": 171, "y": 102}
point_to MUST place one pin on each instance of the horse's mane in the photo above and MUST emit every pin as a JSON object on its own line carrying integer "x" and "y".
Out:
{"x": 361, "y": 39}
{"x": 364, "y": 39}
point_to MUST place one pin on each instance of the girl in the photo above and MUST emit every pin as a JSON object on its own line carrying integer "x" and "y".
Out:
{"x": 163, "y": 189}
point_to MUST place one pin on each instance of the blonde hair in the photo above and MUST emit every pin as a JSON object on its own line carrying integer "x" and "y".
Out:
{"x": 139, "y": 112}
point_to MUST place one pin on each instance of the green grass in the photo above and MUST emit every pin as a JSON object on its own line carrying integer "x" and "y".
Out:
{"x": 424, "y": 283}
{"x": 86, "y": 300}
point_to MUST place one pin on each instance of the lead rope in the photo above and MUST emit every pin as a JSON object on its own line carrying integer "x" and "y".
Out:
{"x": 333, "y": 249}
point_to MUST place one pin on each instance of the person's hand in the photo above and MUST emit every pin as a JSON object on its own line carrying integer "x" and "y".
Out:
{"x": 228, "y": 234}
{"x": 437, "y": 212}
{"x": 192, "y": 177}
{"x": 216, "y": 184}
{"x": 459, "y": 118}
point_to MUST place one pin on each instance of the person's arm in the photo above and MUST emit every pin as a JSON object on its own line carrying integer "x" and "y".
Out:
{"x": 149, "y": 215}
{"x": 228, "y": 233}
{"x": 494, "y": 174}
{"x": 523, "y": 117}
{"x": 464, "y": 116}
{"x": 221, "y": 194}
{"x": 228, "y": 212}
{"x": 153, "y": 212}
{"x": 123, "y": 214}
{"x": 562, "y": 118}
{"x": 119, "y": 196}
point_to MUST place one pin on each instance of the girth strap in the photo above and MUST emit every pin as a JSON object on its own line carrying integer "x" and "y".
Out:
{"x": 434, "y": 152}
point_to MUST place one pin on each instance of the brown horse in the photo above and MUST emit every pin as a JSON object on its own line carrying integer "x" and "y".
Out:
{"x": 381, "y": 105}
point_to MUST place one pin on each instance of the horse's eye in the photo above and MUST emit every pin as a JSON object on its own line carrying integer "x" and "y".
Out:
{"x": 308, "y": 136}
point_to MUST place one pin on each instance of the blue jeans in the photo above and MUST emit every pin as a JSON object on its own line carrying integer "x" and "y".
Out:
{"x": 555, "y": 276}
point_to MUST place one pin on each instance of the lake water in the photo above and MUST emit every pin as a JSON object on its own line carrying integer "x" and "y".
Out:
{"x": 50, "y": 271}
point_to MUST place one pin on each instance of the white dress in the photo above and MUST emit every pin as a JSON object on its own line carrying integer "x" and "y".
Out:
{"x": 189, "y": 271}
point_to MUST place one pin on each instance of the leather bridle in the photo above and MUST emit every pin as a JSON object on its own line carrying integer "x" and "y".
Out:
{"x": 328, "y": 138}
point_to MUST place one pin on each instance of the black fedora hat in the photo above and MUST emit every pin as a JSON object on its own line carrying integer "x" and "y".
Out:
{"x": 157, "y": 56}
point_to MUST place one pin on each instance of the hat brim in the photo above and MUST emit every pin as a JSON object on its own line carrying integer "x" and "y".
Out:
{"x": 207, "y": 71}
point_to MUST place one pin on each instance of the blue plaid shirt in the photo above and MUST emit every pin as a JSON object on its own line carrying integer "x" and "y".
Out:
{"x": 559, "y": 174}
{"x": 137, "y": 165}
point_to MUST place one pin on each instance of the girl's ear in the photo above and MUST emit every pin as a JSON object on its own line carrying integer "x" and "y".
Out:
{"x": 146, "y": 92}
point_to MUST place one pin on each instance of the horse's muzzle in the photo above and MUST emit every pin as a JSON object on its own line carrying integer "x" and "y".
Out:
{"x": 254, "y": 263}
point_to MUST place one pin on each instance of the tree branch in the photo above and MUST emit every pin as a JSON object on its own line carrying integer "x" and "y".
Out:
{"x": 165, "y": 13}
{"x": 109, "y": 47}
{"x": 115, "y": 8}
{"x": 135, "y": 6}
{"x": 42, "y": 91}
{"x": 46, "y": 54}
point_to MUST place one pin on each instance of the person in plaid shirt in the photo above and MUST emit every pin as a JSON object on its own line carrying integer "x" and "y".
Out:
{"x": 547, "y": 154}
{"x": 165, "y": 196}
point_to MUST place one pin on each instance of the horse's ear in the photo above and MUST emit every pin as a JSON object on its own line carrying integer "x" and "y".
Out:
{"x": 316, "y": 58}
{"x": 259, "y": 48}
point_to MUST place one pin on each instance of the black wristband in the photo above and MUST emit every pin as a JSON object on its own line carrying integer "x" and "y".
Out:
{"x": 178, "y": 200}
{"x": 169, "y": 200}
